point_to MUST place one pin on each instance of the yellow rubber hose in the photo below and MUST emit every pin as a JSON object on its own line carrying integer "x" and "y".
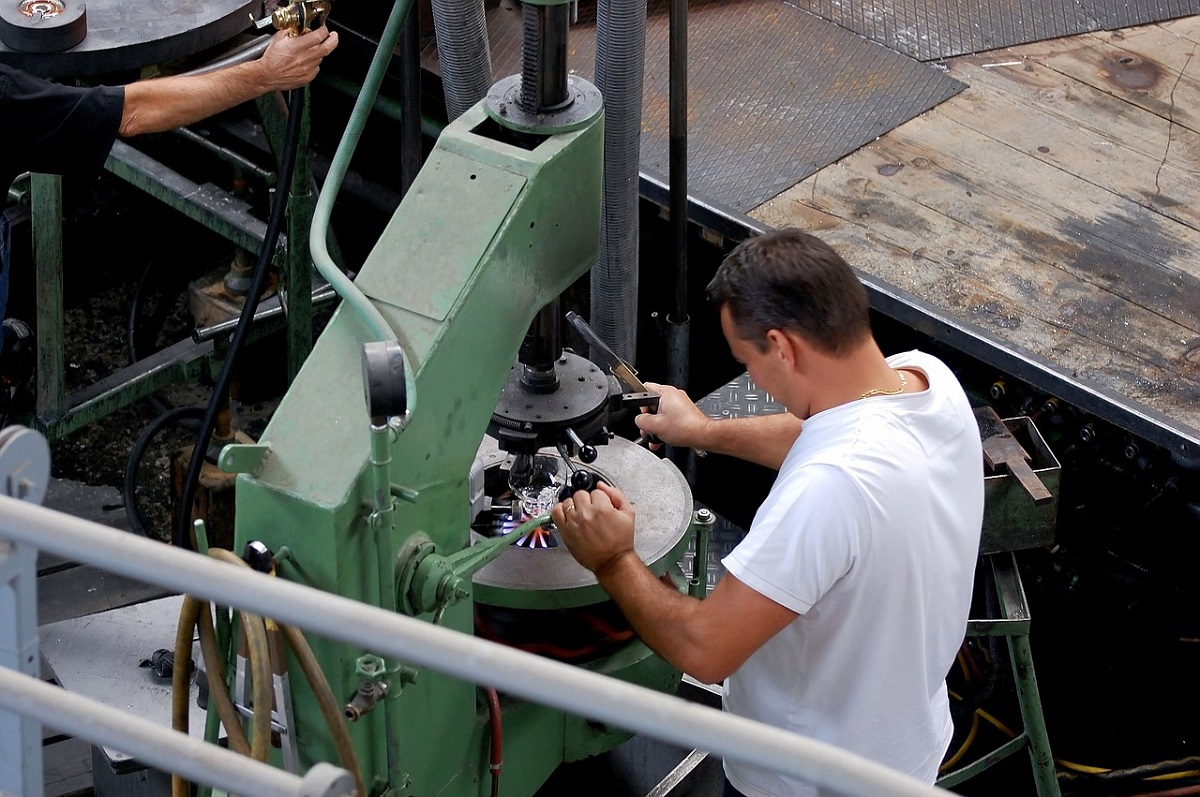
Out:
{"x": 330, "y": 708}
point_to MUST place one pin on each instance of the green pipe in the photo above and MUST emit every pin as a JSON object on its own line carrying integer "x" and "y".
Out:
{"x": 376, "y": 323}
{"x": 384, "y": 104}
{"x": 381, "y": 465}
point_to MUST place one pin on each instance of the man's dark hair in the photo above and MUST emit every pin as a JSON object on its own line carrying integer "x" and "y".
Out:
{"x": 788, "y": 280}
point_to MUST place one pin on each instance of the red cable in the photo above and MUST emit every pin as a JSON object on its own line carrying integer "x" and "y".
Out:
{"x": 493, "y": 700}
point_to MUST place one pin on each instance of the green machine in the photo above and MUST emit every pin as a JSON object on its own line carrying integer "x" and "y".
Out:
{"x": 397, "y": 489}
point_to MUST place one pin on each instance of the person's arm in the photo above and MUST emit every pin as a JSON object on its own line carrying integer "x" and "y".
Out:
{"x": 762, "y": 439}
{"x": 160, "y": 104}
{"x": 707, "y": 639}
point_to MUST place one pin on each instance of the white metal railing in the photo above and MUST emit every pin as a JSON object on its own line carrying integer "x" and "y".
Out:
{"x": 152, "y": 744}
{"x": 416, "y": 642}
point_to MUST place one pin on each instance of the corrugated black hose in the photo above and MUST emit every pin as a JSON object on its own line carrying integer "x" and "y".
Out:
{"x": 182, "y": 537}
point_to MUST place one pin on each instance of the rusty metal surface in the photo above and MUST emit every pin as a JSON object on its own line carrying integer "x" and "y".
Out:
{"x": 775, "y": 93}
{"x": 933, "y": 29}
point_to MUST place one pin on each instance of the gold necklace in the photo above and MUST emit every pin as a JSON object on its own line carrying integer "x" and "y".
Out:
{"x": 879, "y": 392}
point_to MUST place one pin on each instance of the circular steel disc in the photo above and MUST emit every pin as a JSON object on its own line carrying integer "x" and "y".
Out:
{"x": 42, "y": 26}
{"x": 131, "y": 34}
{"x": 550, "y": 578}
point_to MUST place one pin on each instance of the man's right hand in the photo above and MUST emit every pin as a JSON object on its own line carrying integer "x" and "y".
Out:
{"x": 762, "y": 439}
{"x": 678, "y": 421}
{"x": 290, "y": 62}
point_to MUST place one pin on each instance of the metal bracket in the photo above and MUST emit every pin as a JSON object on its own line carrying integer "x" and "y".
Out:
{"x": 243, "y": 457}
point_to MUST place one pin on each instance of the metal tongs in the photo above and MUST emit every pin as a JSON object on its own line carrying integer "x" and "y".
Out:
{"x": 602, "y": 354}
{"x": 623, "y": 371}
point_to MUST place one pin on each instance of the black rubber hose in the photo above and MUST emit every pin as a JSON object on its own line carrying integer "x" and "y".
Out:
{"x": 183, "y": 520}
{"x": 137, "y": 518}
{"x": 155, "y": 401}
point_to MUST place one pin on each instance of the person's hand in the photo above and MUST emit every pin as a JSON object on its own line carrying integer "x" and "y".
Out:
{"x": 290, "y": 62}
{"x": 677, "y": 421}
{"x": 597, "y": 527}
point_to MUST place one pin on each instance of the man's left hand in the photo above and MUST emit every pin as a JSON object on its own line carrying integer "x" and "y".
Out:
{"x": 597, "y": 527}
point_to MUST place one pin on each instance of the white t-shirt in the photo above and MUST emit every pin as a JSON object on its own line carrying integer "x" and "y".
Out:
{"x": 870, "y": 532}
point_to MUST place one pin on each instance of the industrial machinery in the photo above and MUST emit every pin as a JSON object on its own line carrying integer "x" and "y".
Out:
{"x": 374, "y": 478}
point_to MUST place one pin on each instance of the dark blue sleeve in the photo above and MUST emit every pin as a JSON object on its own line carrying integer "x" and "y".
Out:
{"x": 56, "y": 129}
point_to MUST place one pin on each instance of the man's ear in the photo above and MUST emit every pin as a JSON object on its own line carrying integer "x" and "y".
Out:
{"x": 792, "y": 349}
{"x": 783, "y": 347}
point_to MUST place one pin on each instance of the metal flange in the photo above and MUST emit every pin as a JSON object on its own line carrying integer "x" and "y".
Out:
{"x": 503, "y": 104}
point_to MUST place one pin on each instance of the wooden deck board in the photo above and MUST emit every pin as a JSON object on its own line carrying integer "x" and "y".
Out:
{"x": 1050, "y": 205}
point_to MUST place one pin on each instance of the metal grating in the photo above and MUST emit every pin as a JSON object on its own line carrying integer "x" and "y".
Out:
{"x": 931, "y": 29}
{"x": 739, "y": 398}
{"x": 775, "y": 93}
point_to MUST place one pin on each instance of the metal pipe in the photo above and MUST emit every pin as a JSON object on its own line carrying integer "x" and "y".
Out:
{"x": 320, "y": 296}
{"x": 677, "y": 153}
{"x": 411, "y": 151}
{"x": 381, "y": 466}
{"x": 229, "y": 156}
{"x": 678, "y": 326}
{"x": 152, "y": 744}
{"x": 418, "y": 643}
{"x": 383, "y": 104}
{"x": 247, "y": 52}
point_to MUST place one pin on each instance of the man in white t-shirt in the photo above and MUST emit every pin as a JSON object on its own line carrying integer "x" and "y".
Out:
{"x": 844, "y": 606}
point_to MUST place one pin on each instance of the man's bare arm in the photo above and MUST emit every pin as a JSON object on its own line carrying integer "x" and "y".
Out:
{"x": 707, "y": 639}
{"x": 159, "y": 104}
{"x": 762, "y": 439}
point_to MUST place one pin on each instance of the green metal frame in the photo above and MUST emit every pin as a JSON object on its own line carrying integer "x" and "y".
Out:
{"x": 487, "y": 235}
{"x": 1013, "y": 624}
{"x": 58, "y": 414}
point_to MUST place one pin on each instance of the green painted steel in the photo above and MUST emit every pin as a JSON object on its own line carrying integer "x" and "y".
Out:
{"x": 488, "y": 234}
{"x": 45, "y": 210}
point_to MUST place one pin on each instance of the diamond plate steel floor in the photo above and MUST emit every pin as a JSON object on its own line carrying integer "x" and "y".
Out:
{"x": 775, "y": 93}
{"x": 933, "y": 29}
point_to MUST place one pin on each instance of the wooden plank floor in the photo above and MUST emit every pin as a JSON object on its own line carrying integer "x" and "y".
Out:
{"x": 1051, "y": 204}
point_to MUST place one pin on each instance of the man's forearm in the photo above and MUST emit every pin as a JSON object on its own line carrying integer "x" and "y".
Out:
{"x": 160, "y": 104}
{"x": 762, "y": 439}
{"x": 663, "y": 618}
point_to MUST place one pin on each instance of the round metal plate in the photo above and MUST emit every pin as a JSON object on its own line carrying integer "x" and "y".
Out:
{"x": 550, "y": 578}
{"x": 504, "y": 106}
{"x": 582, "y": 391}
{"x": 131, "y": 34}
{"x": 42, "y": 26}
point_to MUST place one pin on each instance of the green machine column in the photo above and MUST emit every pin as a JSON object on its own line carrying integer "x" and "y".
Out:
{"x": 493, "y": 228}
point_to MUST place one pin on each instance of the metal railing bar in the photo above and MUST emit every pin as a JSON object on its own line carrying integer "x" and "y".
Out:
{"x": 413, "y": 641}
{"x": 154, "y": 745}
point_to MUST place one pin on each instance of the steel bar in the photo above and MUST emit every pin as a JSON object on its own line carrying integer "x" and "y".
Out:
{"x": 411, "y": 151}
{"x": 463, "y": 656}
{"x": 270, "y": 308}
{"x": 21, "y": 766}
{"x": 170, "y": 751}
{"x": 677, "y": 92}
{"x": 46, "y": 206}
{"x": 183, "y": 361}
{"x": 677, "y": 775}
{"x": 218, "y": 211}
